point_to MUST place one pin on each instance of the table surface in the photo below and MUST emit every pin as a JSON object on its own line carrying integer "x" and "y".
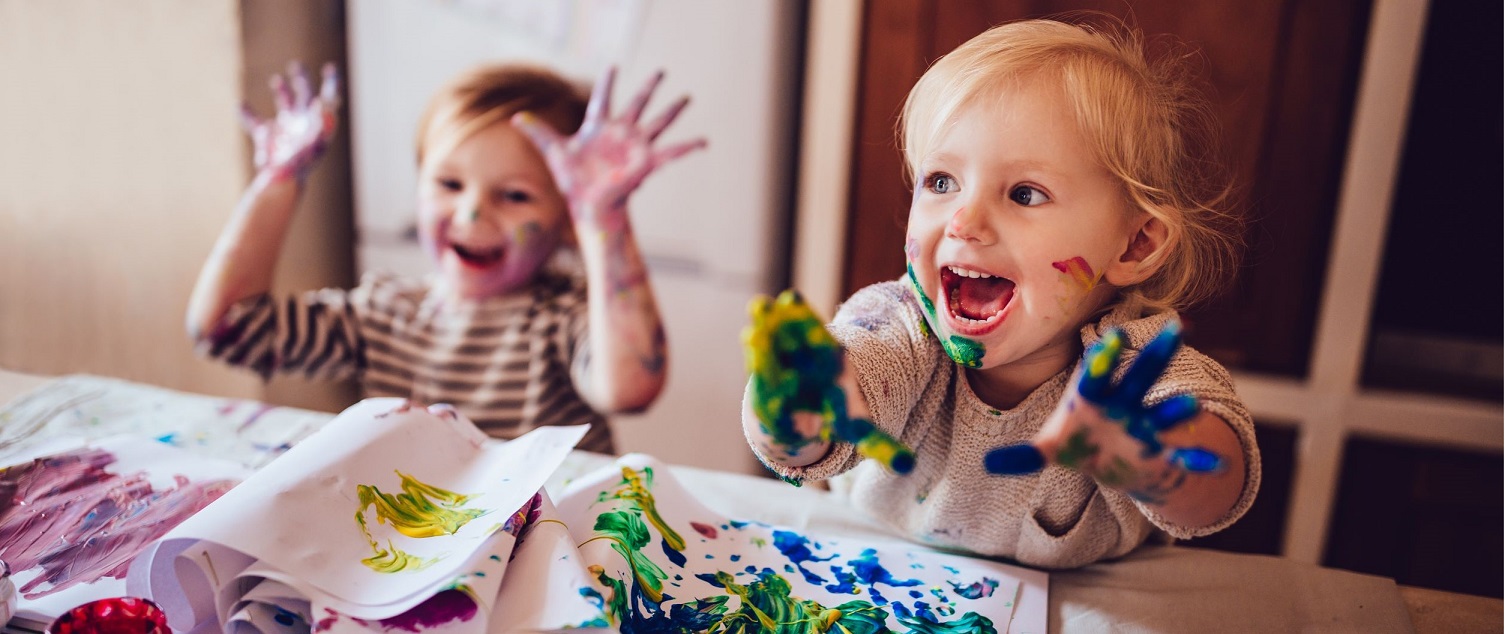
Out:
{"x": 1154, "y": 589}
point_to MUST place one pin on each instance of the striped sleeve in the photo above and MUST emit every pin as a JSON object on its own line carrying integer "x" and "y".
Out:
{"x": 314, "y": 333}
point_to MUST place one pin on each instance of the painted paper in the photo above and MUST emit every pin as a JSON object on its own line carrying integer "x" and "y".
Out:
{"x": 423, "y": 495}
{"x": 662, "y": 562}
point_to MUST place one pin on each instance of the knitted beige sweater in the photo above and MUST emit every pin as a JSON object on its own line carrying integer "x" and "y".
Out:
{"x": 1057, "y": 518}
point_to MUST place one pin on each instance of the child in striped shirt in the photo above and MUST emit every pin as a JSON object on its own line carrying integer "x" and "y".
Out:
{"x": 510, "y": 340}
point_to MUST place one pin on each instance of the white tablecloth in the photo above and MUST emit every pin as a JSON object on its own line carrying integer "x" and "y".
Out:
{"x": 1154, "y": 589}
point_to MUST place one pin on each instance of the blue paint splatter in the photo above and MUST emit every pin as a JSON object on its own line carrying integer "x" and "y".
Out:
{"x": 796, "y": 547}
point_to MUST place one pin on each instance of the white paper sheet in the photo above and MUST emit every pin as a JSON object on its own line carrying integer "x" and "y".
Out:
{"x": 296, "y": 520}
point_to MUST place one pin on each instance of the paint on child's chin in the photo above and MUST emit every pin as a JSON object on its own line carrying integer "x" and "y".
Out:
{"x": 966, "y": 352}
{"x": 74, "y": 522}
{"x": 421, "y": 510}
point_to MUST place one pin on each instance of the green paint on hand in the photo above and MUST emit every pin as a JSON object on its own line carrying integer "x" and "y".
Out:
{"x": 1077, "y": 450}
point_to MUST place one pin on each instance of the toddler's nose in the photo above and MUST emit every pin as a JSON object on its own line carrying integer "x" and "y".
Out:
{"x": 969, "y": 223}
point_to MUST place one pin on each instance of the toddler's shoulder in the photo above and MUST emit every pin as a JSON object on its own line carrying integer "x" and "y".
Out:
{"x": 885, "y": 306}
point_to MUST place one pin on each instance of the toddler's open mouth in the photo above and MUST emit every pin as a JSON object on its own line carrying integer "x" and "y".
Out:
{"x": 975, "y": 300}
{"x": 479, "y": 257}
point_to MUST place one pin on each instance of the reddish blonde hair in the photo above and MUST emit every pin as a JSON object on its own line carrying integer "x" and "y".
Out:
{"x": 494, "y": 92}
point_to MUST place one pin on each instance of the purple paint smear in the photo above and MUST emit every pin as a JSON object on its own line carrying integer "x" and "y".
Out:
{"x": 453, "y": 604}
{"x": 79, "y": 523}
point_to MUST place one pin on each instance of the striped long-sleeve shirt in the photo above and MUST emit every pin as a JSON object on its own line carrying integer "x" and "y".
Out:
{"x": 508, "y": 363}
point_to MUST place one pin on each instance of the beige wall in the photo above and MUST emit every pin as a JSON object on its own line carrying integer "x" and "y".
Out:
{"x": 121, "y": 159}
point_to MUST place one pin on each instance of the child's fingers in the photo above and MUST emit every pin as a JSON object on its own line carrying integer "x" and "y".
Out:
{"x": 672, "y": 152}
{"x": 1098, "y": 364}
{"x": 1173, "y": 411}
{"x": 280, "y": 93}
{"x": 542, "y": 134}
{"x": 640, "y": 102}
{"x": 874, "y": 443}
{"x": 599, "y": 108}
{"x": 1014, "y": 460}
{"x": 298, "y": 75}
{"x": 661, "y": 123}
{"x": 1195, "y": 459}
{"x": 329, "y": 86}
{"x": 248, "y": 119}
{"x": 1150, "y": 363}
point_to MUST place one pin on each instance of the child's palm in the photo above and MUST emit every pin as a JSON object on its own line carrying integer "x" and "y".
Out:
{"x": 291, "y": 142}
{"x": 795, "y": 364}
{"x": 1106, "y": 431}
{"x": 609, "y": 157}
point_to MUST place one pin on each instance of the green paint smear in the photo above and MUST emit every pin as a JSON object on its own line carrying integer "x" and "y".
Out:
{"x": 962, "y": 350}
{"x": 634, "y": 488}
{"x": 420, "y": 511}
{"x": 1077, "y": 450}
{"x": 919, "y": 293}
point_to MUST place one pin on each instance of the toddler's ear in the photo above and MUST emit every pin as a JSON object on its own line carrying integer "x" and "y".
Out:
{"x": 1142, "y": 255}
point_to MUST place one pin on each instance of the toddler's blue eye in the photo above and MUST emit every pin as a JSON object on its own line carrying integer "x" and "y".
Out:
{"x": 940, "y": 183}
{"x": 1028, "y": 196}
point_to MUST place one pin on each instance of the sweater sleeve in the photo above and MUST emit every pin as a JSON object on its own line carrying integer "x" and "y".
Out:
{"x": 888, "y": 347}
{"x": 1191, "y": 372}
{"x": 314, "y": 333}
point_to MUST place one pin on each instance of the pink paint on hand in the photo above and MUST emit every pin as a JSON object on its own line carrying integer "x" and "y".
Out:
{"x": 1079, "y": 270}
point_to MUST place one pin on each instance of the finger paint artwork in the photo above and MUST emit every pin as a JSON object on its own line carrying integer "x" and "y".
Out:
{"x": 421, "y": 510}
{"x": 393, "y": 493}
{"x": 72, "y": 520}
{"x": 662, "y": 562}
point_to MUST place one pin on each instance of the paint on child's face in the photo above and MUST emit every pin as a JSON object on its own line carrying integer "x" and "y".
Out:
{"x": 1078, "y": 279}
{"x": 489, "y": 214}
{"x": 1008, "y": 195}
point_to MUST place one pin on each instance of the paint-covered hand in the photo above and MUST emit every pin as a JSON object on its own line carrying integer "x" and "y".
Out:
{"x": 795, "y": 364}
{"x": 289, "y": 144}
{"x": 1105, "y": 430}
{"x": 609, "y": 157}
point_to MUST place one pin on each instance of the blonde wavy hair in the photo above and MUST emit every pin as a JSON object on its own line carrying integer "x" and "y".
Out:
{"x": 494, "y": 92}
{"x": 1144, "y": 119}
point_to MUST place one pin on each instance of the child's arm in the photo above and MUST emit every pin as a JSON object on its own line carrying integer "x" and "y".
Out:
{"x": 597, "y": 169}
{"x": 802, "y": 394}
{"x": 1175, "y": 457}
{"x": 287, "y": 148}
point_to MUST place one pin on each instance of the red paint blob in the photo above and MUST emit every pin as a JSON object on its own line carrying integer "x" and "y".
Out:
{"x": 120, "y": 615}
{"x": 704, "y": 529}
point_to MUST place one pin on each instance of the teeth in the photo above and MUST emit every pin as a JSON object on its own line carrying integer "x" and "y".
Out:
{"x": 968, "y": 273}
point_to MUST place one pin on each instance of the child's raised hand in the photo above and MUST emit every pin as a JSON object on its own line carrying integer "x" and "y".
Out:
{"x": 1107, "y": 432}
{"x": 795, "y": 363}
{"x": 609, "y": 157}
{"x": 290, "y": 143}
